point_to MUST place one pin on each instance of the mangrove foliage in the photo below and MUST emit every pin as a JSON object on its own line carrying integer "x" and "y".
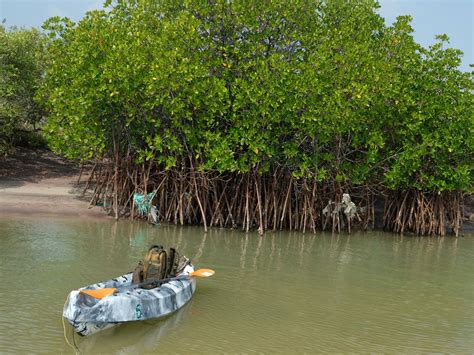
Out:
{"x": 22, "y": 66}
{"x": 263, "y": 114}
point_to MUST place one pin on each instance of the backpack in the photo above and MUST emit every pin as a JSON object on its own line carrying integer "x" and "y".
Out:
{"x": 158, "y": 265}
{"x": 155, "y": 264}
{"x": 153, "y": 267}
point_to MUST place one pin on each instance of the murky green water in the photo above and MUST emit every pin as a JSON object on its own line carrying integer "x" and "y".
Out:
{"x": 283, "y": 293}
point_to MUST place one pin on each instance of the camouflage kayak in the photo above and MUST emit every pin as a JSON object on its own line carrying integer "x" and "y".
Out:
{"x": 89, "y": 315}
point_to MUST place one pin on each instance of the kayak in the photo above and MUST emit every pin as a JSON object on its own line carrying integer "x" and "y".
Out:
{"x": 89, "y": 315}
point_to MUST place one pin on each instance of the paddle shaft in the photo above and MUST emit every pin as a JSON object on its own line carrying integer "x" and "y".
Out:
{"x": 104, "y": 292}
{"x": 155, "y": 283}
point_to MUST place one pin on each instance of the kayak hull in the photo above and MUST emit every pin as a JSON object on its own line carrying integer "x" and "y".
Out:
{"x": 88, "y": 315}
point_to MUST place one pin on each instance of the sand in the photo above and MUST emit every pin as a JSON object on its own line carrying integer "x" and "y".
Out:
{"x": 37, "y": 182}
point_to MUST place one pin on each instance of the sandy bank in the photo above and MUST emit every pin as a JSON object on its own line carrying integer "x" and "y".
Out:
{"x": 38, "y": 182}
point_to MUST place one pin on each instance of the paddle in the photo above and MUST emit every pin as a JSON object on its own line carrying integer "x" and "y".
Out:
{"x": 104, "y": 292}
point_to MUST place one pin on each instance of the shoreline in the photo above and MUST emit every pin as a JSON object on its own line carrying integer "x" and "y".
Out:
{"x": 37, "y": 182}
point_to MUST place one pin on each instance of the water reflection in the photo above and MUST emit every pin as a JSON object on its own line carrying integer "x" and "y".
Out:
{"x": 200, "y": 249}
{"x": 134, "y": 337}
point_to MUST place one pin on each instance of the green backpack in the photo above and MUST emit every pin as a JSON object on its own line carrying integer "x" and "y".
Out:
{"x": 158, "y": 265}
{"x": 155, "y": 264}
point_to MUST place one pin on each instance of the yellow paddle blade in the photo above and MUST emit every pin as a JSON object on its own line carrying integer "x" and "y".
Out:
{"x": 202, "y": 273}
{"x": 99, "y": 293}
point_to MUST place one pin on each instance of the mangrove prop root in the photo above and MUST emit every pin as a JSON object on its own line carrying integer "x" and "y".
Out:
{"x": 424, "y": 213}
{"x": 271, "y": 201}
